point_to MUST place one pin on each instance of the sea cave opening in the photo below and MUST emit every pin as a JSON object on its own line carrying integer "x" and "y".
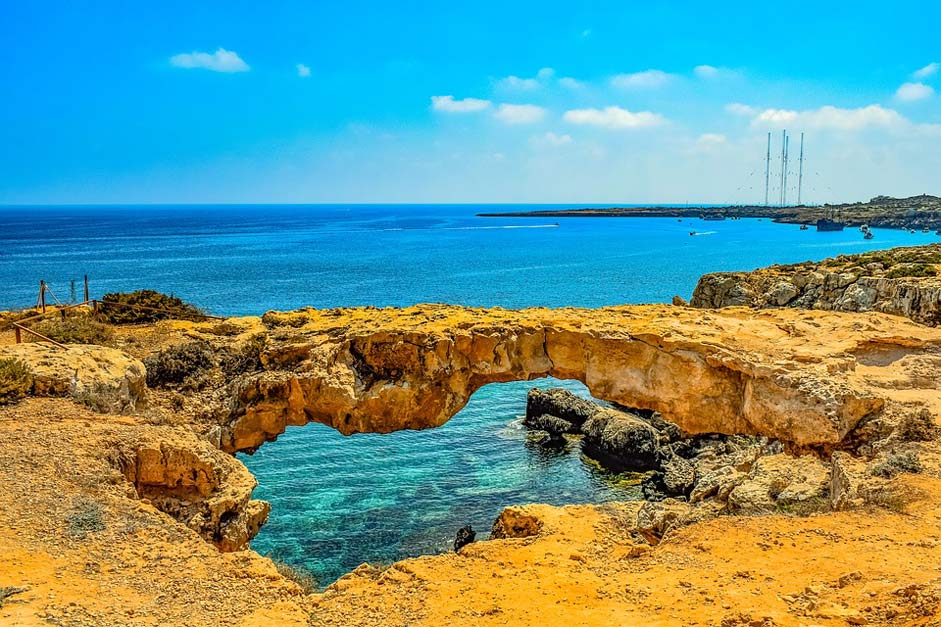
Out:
{"x": 338, "y": 501}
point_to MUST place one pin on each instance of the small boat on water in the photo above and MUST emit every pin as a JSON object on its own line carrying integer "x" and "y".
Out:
{"x": 926, "y": 230}
{"x": 692, "y": 232}
{"x": 864, "y": 228}
{"x": 868, "y": 235}
{"x": 911, "y": 230}
{"x": 825, "y": 224}
{"x": 804, "y": 227}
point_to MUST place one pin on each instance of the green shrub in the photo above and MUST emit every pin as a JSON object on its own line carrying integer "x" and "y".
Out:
{"x": 897, "y": 463}
{"x": 911, "y": 270}
{"x": 918, "y": 427}
{"x": 174, "y": 365}
{"x": 116, "y": 314}
{"x": 15, "y": 380}
{"x": 76, "y": 329}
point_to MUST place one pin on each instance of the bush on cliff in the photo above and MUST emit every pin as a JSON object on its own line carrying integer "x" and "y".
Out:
{"x": 244, "y": 359}
{"x": 171, "y": 307}
{"x": 15, "y": 380}
{"x": 897, "y": 463}
{"x": 74, "y": 329}
{"x": 911, "y": 270}
{"x": 176, "y": 364}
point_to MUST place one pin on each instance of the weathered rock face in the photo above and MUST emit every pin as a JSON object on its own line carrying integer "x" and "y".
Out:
{"x": 103, "y": 378}
{"x": 788, "y": 375}
{"x": 877, "y": 281}
{"x": 199, "y": 485}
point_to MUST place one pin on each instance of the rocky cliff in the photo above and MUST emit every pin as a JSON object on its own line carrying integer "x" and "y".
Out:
{"x": 901, "y": 281}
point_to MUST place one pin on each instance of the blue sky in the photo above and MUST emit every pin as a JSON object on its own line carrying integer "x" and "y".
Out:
{"x": 463, "y": 102}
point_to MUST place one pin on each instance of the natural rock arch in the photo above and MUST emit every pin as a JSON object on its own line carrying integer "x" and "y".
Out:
{"x": 785, "y": 374}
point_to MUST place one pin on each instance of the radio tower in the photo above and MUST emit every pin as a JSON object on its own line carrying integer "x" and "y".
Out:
{"x": 787, "y": 151}
{"x": 800, "y": 172}
{"x": 783, "y": 168}
{"x": 767, "y": 168}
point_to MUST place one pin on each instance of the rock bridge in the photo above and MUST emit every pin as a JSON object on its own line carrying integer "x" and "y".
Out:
{"x": 805, "y": 377}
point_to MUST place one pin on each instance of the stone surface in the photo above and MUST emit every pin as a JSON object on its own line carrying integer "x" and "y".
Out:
{"x": 788, "y": 375}
{"x": 105, "y": 379}
{"x": 846, "y": 283}
{"x": 780, "y": 482}
{"x": 560, "y": 403}
{"x": 621, "y": 441}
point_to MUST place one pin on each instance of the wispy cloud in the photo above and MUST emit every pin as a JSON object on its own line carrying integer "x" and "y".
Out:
{"x": 912, "y": 92}
{"x": 711, "y": 139}
{"x": 449, "y": 105}
{"x": 928, "y": 71}
{"x": 737, "y": 108}
{"x": 517, "y": 83}
{"x": 648, "y": 79}
{"x": 833, "y": 118}
{"x": 302, "y": 70}
{"x": 221, "y": 60}
{"x": 570, "y": 83}
{"x": 706, "y": 71}
{"x": 519, "y": 113}
{"x": 613, "y": 118}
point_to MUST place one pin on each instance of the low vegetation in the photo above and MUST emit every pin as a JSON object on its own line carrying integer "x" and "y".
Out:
{"x": 245, "y": 358}
{"x": 73, "y": 329}
{"x": 911, "y": 270}
{"x": 86, "y": 517}
{"x": 15, "y": 380}
{"x": 301, "y": 576}
{"x": 897, "y": 463}
{"x": 115, "y": 307}
{"x": 177, "y": 364}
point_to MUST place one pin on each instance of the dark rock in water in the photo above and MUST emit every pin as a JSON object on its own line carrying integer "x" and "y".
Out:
{"x": 678, "y": 476}
{"x": 621, "y": 441}
{"x": 553, "y": 425}
{"x": 553, "y": 440}
{"x": 465, "y": 535}
{"x": 560, "y": 403}
{"x": 652, "y": 487}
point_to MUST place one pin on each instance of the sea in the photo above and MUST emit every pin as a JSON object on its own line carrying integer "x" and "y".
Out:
{"x": 340, "y": 501}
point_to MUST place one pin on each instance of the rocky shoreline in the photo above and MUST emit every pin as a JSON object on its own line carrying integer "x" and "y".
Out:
{"x": 132, "y": 487}
{"x": 915, "y": 212}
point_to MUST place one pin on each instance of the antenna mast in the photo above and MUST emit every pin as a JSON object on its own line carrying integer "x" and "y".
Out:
{"x": 767, "y": 168}
{"x": 787, "y": 149}
{"x": 800, "y": 175}
{"x": 783, "y": 168}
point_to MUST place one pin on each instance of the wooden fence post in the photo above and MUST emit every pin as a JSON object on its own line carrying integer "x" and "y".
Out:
{"x": 86, "y": 289}
{"x": 42, "y": 295}
{"x": 19, "y": 338}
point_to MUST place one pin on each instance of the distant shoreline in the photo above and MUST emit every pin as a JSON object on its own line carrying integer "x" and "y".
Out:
{"x": 916, "y": 212}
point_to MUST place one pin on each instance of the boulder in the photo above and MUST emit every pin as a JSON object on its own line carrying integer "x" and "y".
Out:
{"x": 559, "y": 403}
{"x": 465, "y": 535}
{"x": 621, "y": 441}
{"x": 553, "y": 425}
{"x": 847, "y": 476}
{"x": 781, "y": 482}
{"x": 655, "y": 520}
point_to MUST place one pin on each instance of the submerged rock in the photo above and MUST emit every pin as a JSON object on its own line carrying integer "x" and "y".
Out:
{"x": 553, "y": 425}
{"x": 465, "y": 535}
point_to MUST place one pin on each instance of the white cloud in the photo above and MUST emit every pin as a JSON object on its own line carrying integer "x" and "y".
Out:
{"x": 737, "y": 108}
{"x": 551, "y": 139}
{"x": 450, "y": 105}
{"x": 302, "y": 70}
{"x": 586, "y": 32}
{"x": 570, "y": 83}
{"x": 614, "y": 118}
{"x": 711, "y": 139}
{"x": 706, "y": 71}
{"x": 519, "y": 114}
{"x": 832, "y": 118}
{"x": 928, "y": 71}
{"x": 911, "y": 92}
{"x": 517, "y": 83}
{"x": 648, "y": 79}
{"x": 221, "y": 60}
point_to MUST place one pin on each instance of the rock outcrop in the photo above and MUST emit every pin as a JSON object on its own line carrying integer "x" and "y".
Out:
{"x": 901, "y": 281}
{"x": 793, "y": 376}
{"x": 106, "y": 379}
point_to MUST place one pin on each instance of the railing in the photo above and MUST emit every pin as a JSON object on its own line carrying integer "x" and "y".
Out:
{"x": 19, "y": 328}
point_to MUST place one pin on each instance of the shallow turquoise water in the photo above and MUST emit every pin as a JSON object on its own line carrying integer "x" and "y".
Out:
{"x": 341, "y": 501}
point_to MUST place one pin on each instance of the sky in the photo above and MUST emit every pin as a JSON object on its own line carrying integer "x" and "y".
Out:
{"x": 481, "y": 102}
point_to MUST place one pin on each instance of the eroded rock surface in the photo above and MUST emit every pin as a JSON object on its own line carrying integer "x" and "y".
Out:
{"x": 793, "y": 376}
{"x": 901, "y": 281}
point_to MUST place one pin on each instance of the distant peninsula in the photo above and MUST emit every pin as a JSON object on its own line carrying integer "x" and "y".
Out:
{"x": 915, "y": 212}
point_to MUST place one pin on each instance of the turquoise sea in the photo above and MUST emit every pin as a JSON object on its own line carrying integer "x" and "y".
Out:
{"x": 339, "y": 501}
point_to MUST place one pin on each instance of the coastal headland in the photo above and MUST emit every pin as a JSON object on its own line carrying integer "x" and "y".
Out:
{"x": 915, "y": 212}
{"x": 794, "y": 455}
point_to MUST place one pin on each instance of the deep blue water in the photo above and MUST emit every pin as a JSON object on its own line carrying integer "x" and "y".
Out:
{"x": 340, "y": 501}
